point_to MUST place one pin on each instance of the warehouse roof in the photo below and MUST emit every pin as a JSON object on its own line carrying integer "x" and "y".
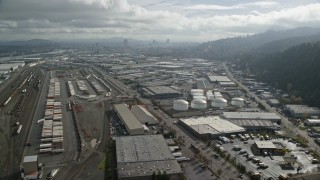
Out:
{"x": 142, "y": 149}
{"x": 302, "y": 108}
{"x": 265, "y": 145}
{"x": 163, "y": 90}
{"x": 219, "y": 79}
{"x": 30, "y": 158}
{"x": 203, "y": 84}
{"x": 212, "y": 125}
{"x": 253, "y": 123}
{"x": 147, "y": 168}
{"x": 127, "y": 116}
{"x": 251, "y": 115}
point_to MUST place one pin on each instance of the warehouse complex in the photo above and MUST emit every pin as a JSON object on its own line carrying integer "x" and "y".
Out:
{"x": 211, "y": 126}
{"x": 132, "y": 124}
{"x": 138, "y": 157}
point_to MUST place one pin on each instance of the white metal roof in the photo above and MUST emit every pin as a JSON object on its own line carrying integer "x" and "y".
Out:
{"x": 265, "y": 145}
{"x": 212, "y": 125}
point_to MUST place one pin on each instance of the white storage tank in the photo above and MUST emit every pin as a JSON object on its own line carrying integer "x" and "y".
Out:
{"x": 237, "y": 102}
{"x": 198, "y": 104}
{"x": 180, "y": 105}
{"x": 200, "y": 97}
{"x": 197, "y": 92}
{"x": 219, "y": 103}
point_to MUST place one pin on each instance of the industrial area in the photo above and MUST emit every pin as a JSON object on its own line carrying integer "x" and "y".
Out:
{"x": 78, "y": 114}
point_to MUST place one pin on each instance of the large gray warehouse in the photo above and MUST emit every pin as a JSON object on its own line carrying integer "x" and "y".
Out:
{"x": 132, "y": 124}
{"x": 139, "y": 156}
{"x": 143, "y": 115}
{"x": 161, "y": 92}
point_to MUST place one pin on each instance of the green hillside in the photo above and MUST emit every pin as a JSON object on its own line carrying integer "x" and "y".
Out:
{"x": 296, "y": 70}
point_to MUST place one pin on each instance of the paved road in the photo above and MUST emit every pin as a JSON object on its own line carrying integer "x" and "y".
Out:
{"x": 285, "y": 120}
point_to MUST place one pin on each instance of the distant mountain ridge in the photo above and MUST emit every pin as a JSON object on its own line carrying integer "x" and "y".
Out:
{"x": 31, "y": 42}
{"x": 231, "y": 48}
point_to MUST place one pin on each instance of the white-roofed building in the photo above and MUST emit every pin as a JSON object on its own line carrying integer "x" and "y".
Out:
{"x": 210, "y": 126}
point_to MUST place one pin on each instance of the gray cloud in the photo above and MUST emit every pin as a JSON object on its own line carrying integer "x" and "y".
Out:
{"x": 102, "y": 18}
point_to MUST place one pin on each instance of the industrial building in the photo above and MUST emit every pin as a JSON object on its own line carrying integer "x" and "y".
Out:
{"x": 132, "y": 124}
{"x": 143, "y": 115}
{"x": 273, "y": 117}
{"x": 138, "y": 157}
{"x": 161, "y": 92}
{"x": 299, "y": 111}
{"x": 274, "y": 148}
{"x": 312, "y": 122}
{"x": 218, "y": 79}
{"x": 210, "y": 126}
{"x": 273, "y": 102}
{"x": 256, "y": 124}
{"x": 30, "y": 167}
{"x": 204, "y": 84}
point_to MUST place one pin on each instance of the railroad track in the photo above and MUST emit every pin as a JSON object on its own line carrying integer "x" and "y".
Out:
{"x": 13, "y": 86}
{"x": 17, "y": 143}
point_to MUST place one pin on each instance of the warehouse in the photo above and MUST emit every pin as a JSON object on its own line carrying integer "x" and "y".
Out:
{"x": 210, "y": 126}
{"x": 256, "y": 124}
{"x": 204, "y": 84}
{"x": 266, "y": 147}
{"x": 251, "y": 116}
{"x": 161, "y": 92}
{"x": 218, "y": 79}
{"x": 132, "y": 124}
{"x": 139, "y": 156}
{"x": 143, "y": 115}
{"x": 30, "y": 167}
{"x": 299, "y": 111}
{"x": 312, "y": 122}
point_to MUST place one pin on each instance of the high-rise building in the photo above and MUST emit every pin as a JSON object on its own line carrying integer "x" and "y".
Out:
{"x": 125, "y": 43}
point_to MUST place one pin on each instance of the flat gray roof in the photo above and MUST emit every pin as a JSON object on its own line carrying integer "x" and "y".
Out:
{"x": 127, "y": 116}
{"x": 203, "y": 84}
{"x": 251, "y": 115}
{"x": 219, "y": 79}
{"x": 30, "y": 158}
{"x": 147, "y": 168}
{"x": 253, "y": 123}
{"x": 162, "y": 90}
{"x": 143, "y": 148}
{"x": 265, "y": 145}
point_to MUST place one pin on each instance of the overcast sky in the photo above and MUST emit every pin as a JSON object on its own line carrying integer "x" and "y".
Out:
{"x": 178, "y": 20}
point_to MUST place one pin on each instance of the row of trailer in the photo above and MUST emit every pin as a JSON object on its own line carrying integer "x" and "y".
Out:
{"x": 70, "y": 87}
{"x": 52, "y": 129}
{"x": 54, "y": 89}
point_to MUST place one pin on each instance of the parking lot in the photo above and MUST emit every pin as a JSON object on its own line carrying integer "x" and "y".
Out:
{"x": 273, "y": 169}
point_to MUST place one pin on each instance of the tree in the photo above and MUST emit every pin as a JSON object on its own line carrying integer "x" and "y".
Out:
{"x": 153, "y": 177}
{"x": 219, "y": 172}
